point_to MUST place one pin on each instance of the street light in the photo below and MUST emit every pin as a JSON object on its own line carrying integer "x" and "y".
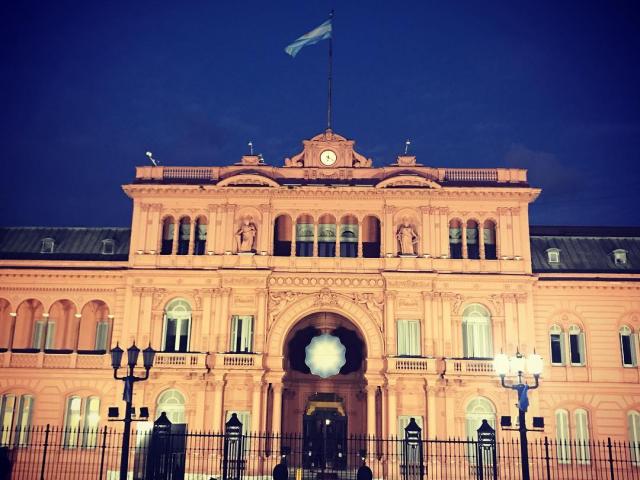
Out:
{"x": 517, "y": 366}
{"x": 129, "y": 379}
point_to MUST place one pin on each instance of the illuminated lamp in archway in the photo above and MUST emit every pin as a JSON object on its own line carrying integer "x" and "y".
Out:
{"x": 325, "y": 355}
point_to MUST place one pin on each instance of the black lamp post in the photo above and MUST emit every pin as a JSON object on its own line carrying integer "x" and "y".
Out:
{"x": 516, "y": 365}
{"x": 129, "y": 379}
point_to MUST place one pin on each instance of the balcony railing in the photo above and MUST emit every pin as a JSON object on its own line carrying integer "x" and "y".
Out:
{"x": 237, "y": 361}
{"x": 412, "y": 365}
{"x": 469, "y": 366}
{"x": 180, "y": 360}
{"x": 471, "y": 174}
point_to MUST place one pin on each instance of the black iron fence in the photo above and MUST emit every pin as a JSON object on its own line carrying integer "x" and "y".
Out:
{"x": 51, "y": 452}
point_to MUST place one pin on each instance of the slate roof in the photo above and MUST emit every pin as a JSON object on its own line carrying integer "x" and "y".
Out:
{"x": 582, "y": 249}
{"x": 585, "y": 249}
{"x": 71, "y": 243}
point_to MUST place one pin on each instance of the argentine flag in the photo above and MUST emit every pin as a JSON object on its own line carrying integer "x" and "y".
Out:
{"x": 322, "y": 32}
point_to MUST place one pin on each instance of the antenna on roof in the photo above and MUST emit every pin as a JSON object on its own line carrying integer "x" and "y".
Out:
{"x": 406, "y": 146}
{"x": 261, "y": 159}
{"x": 250, "y": 144}
{"x": 153, "y": 160}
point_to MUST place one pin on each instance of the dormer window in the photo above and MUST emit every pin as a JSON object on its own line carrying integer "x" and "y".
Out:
{"x": 47, "y": 245}
{"x": 108, "y": 246}
{"x": 619, "y": 256}
{"x": 553, "y": 255}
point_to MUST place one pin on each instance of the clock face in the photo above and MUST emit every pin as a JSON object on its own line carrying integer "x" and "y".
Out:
{"x": 328, "y": 158}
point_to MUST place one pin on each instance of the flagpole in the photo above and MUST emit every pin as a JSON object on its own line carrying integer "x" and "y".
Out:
{"x": 330, "y": 99}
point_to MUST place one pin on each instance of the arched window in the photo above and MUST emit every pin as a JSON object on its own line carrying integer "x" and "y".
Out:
{"x": 184, "y": 236}
{"x": 30, "y": 325}
{"x": 200, "y": 242}
{"x": 473, "y": 242}
{"x": 95, "y": 327}
{"x": 172, "y": 403}
{"x": 327, "y": 236}
{"x": 282, "y": 236}
{"x": 62, "y": 326}
{"x": 349, "y": 236}
{"x": 489, "y": 236}
{"x": 556, "y": 345}
{"x": 370, "y": 237}
{"x": 168, "y": 228}
{"x": 627, "y": 347}
{"x": 576, "y": 346}
{"x": 478, "y": 409}
{"x": 455, "y": 239}
{"x": 583, "y": 454}
{"x": 15, "y": 418}
{"x": 477, "y": 336}
{"x": 633, "y": 425}
{"x": 562, "y": 436}
{"x": 177, "y": 326}
{"x": 304, "y": 236}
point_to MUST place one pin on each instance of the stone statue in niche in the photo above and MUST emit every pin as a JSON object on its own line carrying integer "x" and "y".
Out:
{"x": 407, "y": 238}
{"x": 246, "y": 236}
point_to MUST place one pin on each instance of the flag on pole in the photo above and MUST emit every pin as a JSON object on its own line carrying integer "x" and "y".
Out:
{"x": 323, "y": 32}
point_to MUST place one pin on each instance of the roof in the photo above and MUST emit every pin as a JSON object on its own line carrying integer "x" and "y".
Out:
{"x": 585, "y": 249}
{"x": 70, "y": 243}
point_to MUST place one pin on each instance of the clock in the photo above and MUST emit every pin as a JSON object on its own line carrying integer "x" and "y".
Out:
{"x": 328, "y": 158}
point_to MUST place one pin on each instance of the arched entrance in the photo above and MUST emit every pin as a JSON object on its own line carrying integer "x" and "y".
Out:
{"x": 310, "y": 400}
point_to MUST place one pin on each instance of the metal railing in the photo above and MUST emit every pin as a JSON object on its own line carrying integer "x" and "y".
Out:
{"x": 53, "y": 452}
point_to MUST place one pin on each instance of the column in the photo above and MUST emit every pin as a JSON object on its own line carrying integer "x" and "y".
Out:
{"x": 223, "y": 321}
{"x": 432, "y": 418}
{"x": 218, "y": 392}
{"x": 516, "y": 232}
{"x": 481, "y": 239}
{"x": 371, "y": 410}
{"x": 229, "y": 237}
{"x": 192, "y": 235}
{"x": 503, "y": 242}
{"x": 359, "y": 253}
{"x": 277, "y": 408}
{"x": 428, "y": 333}
{"x": 446, "y": 327}
{"x": 426, "y": 239}
{"x": 205, "y": 331}
{"x": 315, "y": 237}
{"x": 153, "y": 228}
{"x": 510, "y": 333}
{"x": 444, "y": 232}
{"x": 256, "y": 398}
{"x": 337, "y": 237}
{"x": 392, "y": 414}
{"x": 388, "y": 234}
{"x": 260, "y": 320}
{"x": 525, "y": 329}
{"x": 211, "y": 229}
{"x": 293, "y": 237}
{"x": 176, "y": 234}
{"x": 265, "y": 232}
{"x": 464, "y": 239}
{"x": 390, "y": 322}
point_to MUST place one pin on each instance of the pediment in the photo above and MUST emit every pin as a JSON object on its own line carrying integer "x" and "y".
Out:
{"x": 342, "y": 149}
{"x": 248, "y": 179}
{"x": 407, "y": 181}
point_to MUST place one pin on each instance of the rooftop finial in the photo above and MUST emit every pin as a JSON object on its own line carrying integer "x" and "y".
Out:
{"x": 250, "y": 144}
{"x": 406, "y": 146}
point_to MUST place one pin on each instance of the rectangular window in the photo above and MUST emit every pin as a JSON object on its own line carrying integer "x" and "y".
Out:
{"x": 403, "y": 421}
{"x": 557, "y": 349}
{"x": 50, "y": 341}
{"x": 38, "y": 334}
{"x": 15, "y": 415}
{"x": 562, "y": 437}
{"x": 409, "y": 338}
{"x": 241, "y": 334}
{"x": 576, "y": 345}
{"x": 583, "y": 454}
{"x": 6, "y": 417}
{"x": 90, "y": 422}
{"x": 102, "y": 335}
{"x": 72, "y": 422}
{"x": 23, "y": 420}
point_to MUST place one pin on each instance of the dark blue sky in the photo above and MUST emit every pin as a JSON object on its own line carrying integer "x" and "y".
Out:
{"x": 88, "y": 87}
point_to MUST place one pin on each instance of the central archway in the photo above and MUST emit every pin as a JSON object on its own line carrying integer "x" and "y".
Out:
{"x": 342, "y": 392}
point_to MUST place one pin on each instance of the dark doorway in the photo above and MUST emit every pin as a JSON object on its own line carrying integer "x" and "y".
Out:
{"x": 325, "y": 433}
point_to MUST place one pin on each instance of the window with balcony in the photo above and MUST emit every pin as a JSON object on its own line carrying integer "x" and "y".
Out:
{"x": 241, "y": 334}
{"x": 455, "y": 239}
{"x": 81, "y": 421}
{"x": 562, "y": 436}
{"x": 44, "y": 335}
{"x": 556, "y": 345}
{"x": 489, "y": 234}
{"x": 15, "y": 419}
{"x": 349, "y": 236}
{"x": 627, "y": 347}
{"x": 408, "y": 338}
{"x": 184, "y": 236}
{"x": 177, "y": 326}
{"x": 102, "y": 335}
{"x": 633, "y": 426}
{"x": 576, "y": 346}
{"x": 200, "y": 243}
{"x": 304, "y": 236}
{"x": 477, "y": 336}
{"x": 327, "y": 236}
{"x": 473, "y": 245}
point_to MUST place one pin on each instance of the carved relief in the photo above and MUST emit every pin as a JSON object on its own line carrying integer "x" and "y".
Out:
{"x": 326, "y": 297}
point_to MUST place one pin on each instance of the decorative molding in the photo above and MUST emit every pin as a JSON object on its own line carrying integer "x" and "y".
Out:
{"x": 325, "y": 281}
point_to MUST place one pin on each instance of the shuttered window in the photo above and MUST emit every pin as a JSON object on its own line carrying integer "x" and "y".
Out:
{"x": 562, "y": 436}
{"x": 583, "y": 455}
